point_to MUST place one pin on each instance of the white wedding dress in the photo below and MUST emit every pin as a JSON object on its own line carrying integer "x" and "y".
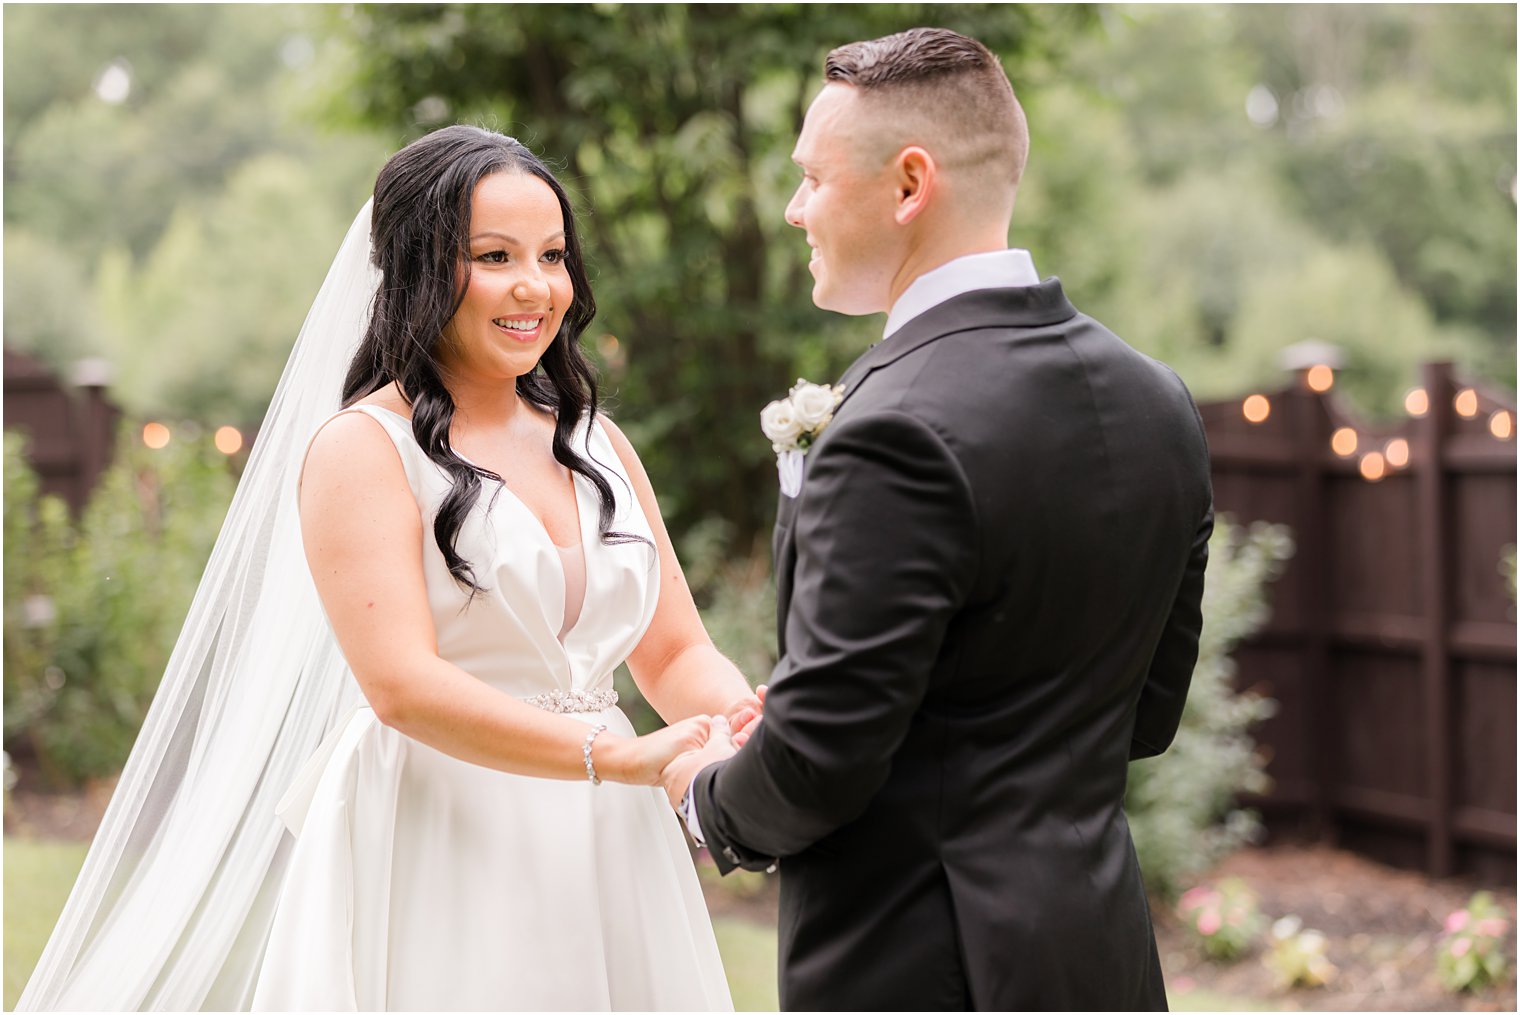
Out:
{"x": 419, "y": 881}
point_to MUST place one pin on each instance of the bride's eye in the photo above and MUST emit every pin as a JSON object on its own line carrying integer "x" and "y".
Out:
{"x": 493, "y": 257}
{"x": 554, "y": 256}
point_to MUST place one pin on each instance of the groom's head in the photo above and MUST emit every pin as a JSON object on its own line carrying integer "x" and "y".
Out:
{"x": 912, "y": 150}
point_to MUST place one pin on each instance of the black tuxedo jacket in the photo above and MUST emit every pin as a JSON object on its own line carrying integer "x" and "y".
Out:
{"x": 988, "y": 592}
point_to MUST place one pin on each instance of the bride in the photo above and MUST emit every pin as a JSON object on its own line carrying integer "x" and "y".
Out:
{"x": 399, "y": 779}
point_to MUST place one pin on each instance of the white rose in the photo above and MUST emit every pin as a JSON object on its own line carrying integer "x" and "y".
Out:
{"x": 812, "y": 404}
{"x": 780, "y": 422}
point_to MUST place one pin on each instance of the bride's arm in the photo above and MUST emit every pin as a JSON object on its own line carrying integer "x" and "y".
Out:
{"x": 363, "y": 536}
{"x": 677, "y": 667}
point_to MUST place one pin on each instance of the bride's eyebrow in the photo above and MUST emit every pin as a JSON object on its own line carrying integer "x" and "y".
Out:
{"x": 512, "y": 240}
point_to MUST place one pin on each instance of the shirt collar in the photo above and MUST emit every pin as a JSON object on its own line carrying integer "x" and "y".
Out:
{"x": 998, "y": 269}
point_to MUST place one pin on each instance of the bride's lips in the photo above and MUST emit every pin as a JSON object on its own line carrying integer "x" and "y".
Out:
{"x": 521, "y": 334}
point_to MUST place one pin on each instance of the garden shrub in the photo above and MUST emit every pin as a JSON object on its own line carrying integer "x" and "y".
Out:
{"x": 1182, "y": 806}
{"x": 120, "y": 582}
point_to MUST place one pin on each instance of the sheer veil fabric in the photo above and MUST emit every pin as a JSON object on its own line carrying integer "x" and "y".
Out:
{"x": 174, "y": 904}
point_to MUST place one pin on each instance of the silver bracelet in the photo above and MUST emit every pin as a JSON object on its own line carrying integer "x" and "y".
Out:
{"x": 586, "y": 753}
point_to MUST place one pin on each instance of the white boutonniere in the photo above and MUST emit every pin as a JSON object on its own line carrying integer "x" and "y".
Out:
{"x": 793, "y": 423}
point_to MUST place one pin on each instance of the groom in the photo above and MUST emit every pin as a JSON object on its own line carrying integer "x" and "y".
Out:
{"x": 988, "y": 585}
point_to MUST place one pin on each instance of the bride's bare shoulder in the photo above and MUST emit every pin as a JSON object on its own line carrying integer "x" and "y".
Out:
{"x": 353, "y": 449}
{"x": 388, "y": 397}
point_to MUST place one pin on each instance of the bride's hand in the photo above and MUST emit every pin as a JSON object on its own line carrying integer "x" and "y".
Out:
{"x": 745, "y": 713}
{"x": 679, "y": 773}
{"x": 640, "y": 760}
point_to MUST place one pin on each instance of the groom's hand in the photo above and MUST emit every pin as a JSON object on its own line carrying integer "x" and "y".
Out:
{"x": 683, "y": 768}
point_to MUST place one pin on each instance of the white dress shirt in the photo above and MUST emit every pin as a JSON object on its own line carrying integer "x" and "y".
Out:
{"x": 997, "y": 269}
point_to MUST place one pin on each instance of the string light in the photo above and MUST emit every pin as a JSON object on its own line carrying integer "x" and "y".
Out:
{"x": 1373, "y": 466}
{"x": 1417, "y": 403}
{"x": 1320, "y": 378}
{"x": 228, "y": 440}
{"x": 1343, "y": 442}
{"x": 1256, "y": 408}
{"x": 1397, "y": 453}
{"x": 1502, "y": 425}
{"x": 1466, "y": 403}
{"x": 156, "y": 436}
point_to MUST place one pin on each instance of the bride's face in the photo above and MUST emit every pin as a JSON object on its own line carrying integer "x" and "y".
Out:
{"x": 519, "y": 285}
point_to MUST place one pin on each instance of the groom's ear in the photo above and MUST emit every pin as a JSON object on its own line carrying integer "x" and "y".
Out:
{"x": 915, "y": 179}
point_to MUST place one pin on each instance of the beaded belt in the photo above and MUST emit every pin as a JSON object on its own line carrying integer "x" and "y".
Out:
{"x": 574, "y": 701}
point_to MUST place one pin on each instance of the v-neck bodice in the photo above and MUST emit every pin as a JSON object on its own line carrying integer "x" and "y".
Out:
{"x": 534, "y": 628}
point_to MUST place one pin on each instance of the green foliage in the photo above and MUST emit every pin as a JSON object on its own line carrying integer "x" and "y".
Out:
{"x": 253, "y": 258}
{"x": 39, "y": 541}
{"x": 82, "y": 672}
{"x": 1471, "y": 954}
{"x": 1222, "y": 920}
{"x": 1372, "y": 209}
{"x": 182, "y": 232}
{"x": 1182, "y": 806}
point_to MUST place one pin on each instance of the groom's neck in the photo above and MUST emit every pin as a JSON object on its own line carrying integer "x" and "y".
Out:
{"x": 938, "y": 247}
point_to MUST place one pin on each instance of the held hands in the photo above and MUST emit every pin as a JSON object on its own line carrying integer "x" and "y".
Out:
{"x": 683, "y": 768}
{"x": 641, "y": 760}
{"x": 744, "y": 715}
{"x": 649, "y": 759}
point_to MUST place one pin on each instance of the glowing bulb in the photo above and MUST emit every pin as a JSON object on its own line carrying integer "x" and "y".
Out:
{"x": 1372, "y": 466}
{"x": 1502, "y": 425}
{"x": 1343, "y": 442}
{"x": 1417, "y": 403}
{"x": 1320, "y": 378}
{"x": 1397, "y": 453}
{"x": 228, "y": 440}
{"x": 156, "y": 436}
{"x": 1466, "y": 403}
{"x": 1256, "y": 408}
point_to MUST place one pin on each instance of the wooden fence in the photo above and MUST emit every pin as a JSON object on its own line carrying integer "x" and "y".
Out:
{"x": 70, "y": 429}
{"x": 1391, "y": 648}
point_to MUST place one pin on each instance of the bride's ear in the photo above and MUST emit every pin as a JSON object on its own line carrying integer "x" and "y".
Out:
{"x": 915, "y": 180}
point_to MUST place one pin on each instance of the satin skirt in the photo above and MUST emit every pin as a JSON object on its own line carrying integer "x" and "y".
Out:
{"x": 421, "y": 882}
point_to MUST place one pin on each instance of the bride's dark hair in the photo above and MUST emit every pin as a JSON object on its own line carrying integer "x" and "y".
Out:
{"x": 420, "y": 239}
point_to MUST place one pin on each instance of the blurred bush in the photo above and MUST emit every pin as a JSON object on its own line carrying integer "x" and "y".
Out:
{"x": 93, "y": 606}
{"x": 1182, "y": 806}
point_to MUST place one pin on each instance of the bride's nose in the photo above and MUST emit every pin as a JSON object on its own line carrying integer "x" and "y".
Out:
{"x": 531, "y": 290}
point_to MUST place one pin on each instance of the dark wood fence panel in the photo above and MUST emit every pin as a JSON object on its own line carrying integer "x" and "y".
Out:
{"x": 70, "y": 428}
{"x": 1391, "y": 647}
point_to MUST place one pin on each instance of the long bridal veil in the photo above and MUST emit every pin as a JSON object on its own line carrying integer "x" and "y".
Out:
{"x": 174, "y": 903}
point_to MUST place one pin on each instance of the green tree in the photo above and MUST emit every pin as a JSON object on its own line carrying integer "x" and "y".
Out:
{"x": 675, "y": 124}
{"x": 179, "y": 225}
{"x": 1217, "y": 183}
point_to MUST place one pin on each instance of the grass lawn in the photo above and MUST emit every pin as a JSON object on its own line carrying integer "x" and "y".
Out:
{"x": 38, "y": 876}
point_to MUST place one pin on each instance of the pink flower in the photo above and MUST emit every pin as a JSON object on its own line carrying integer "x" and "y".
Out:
{"x": 1193, "y": 898}
{"x": 1209, "y": 923}
{"x": 1183, "y": 984}
{"x": 1460, "y": 947}
{"x": 1493, "y": 926}
{"x": 1456, "y": 921}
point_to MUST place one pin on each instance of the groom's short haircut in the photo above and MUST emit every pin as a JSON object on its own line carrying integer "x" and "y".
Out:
{"x": 946, "y": 92}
